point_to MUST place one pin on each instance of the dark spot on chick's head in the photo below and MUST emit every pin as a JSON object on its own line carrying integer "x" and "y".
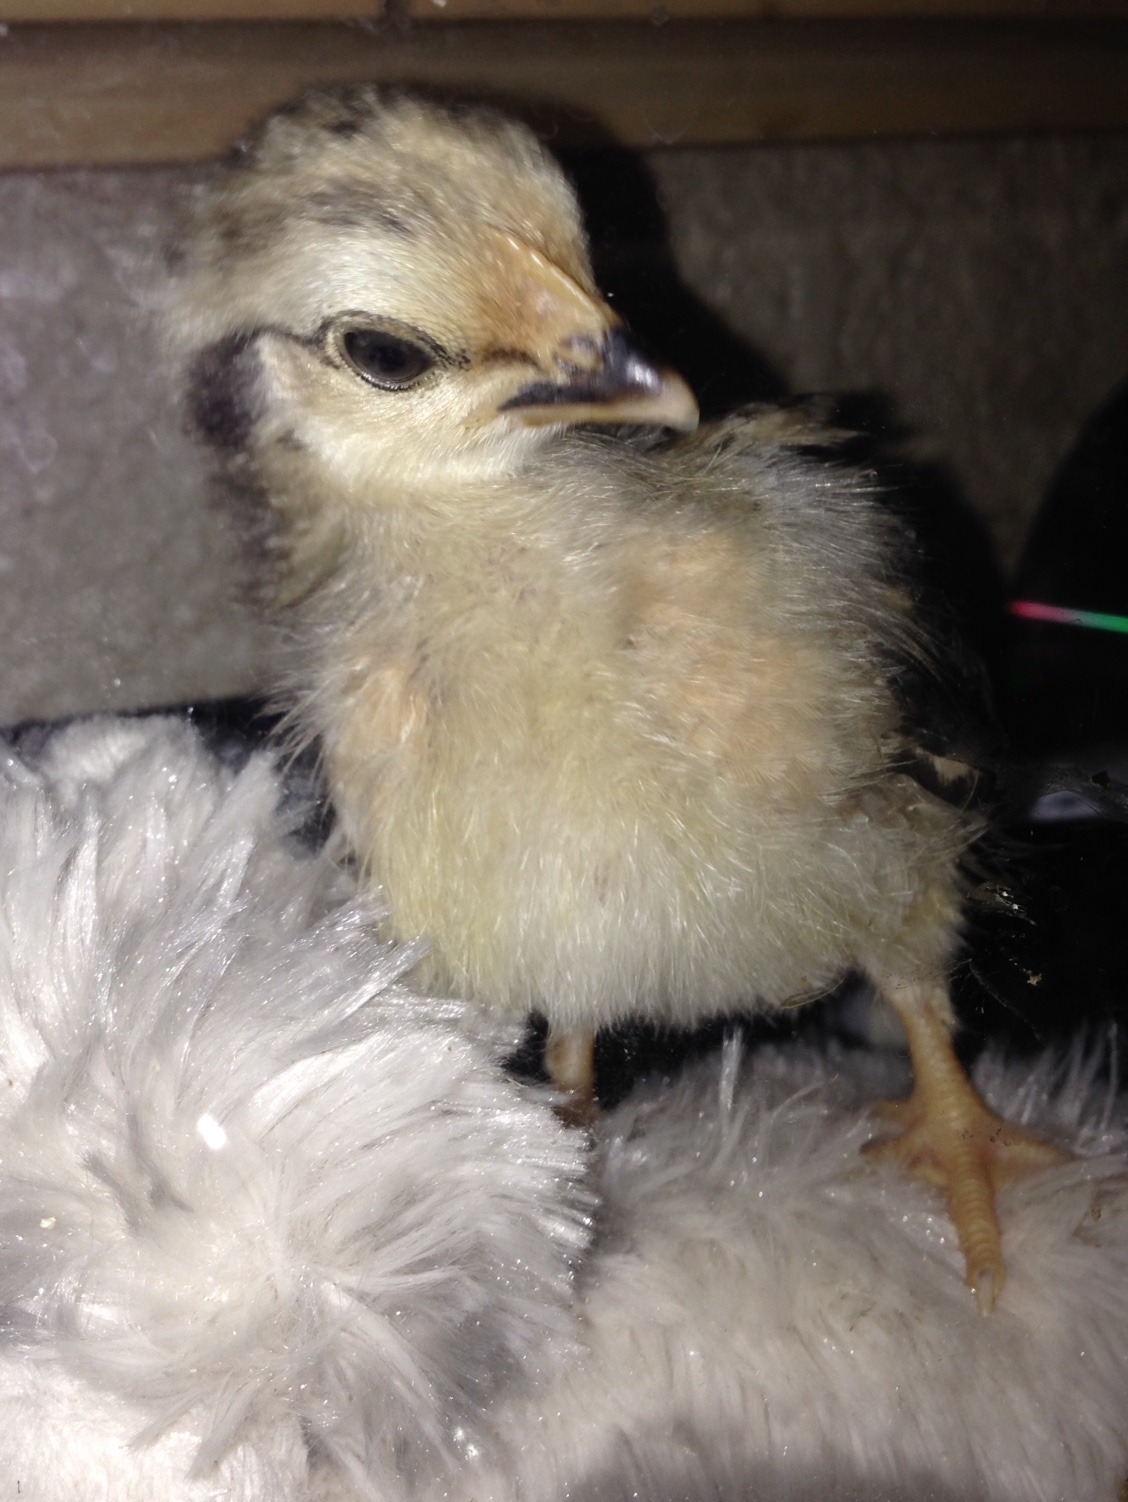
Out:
{"x": 224, "y": 391}
{"x": 351, "y": 206}
{"x": 345, "y": 111}
{"x": 245, "y": 503}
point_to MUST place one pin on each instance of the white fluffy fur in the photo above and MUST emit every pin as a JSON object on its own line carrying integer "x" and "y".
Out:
{"x": 770, "y": 1319}
{"x": 368, "y": 1292}
{"x": 248, "y": 1183}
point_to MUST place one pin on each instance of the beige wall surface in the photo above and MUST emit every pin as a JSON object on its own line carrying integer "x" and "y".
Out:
{"x": 979, "y": 288}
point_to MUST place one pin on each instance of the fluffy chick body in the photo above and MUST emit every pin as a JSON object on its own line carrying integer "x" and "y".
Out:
{"x": 619, "y": 738}
{"x": 614, "y": 724}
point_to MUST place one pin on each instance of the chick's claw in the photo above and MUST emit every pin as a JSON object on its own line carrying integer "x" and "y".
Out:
{"x": 951, "y": 1139}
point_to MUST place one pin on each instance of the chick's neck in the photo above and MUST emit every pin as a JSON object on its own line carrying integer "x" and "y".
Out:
{"x": 389, "y": 532}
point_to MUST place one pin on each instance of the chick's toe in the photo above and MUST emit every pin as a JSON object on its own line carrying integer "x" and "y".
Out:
{"x": 570, "y": 1061}
{"x": 950, "y": 1138}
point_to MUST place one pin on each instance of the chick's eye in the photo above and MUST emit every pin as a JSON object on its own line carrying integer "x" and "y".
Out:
{"x": 385, "y": 359}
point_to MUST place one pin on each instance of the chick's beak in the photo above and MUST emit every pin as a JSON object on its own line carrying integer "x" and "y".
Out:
{"x": 584, "y": 366}
{"x": 617, "y": 383}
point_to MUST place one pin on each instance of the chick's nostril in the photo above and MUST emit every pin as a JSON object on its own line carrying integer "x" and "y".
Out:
{"x": 580, "y": 352}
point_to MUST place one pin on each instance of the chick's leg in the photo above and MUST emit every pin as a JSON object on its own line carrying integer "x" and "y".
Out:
{"x": 570, "y": 1061}
{"x": 950, "y": 1138}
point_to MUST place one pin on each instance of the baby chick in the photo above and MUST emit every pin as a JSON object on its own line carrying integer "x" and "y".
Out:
{"x": 613, "y": 725}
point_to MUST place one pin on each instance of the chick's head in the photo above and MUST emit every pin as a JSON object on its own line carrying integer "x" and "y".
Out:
{"x": 403, "y": 292}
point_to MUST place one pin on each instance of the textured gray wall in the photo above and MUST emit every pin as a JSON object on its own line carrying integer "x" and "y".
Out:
{"x": 980, "y": 286}
{"x": 117, "y": 586}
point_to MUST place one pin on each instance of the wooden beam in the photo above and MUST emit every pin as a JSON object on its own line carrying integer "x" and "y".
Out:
{"x": 657, "y": 12}
{"x": 83, "y": 11}
{"x": 660, "y": 11}
{"x": 152, "y": 93}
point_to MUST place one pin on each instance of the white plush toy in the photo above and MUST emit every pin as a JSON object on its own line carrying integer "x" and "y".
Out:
{"x": 273, "y": 1228}
{"x": 257, "y": 1200}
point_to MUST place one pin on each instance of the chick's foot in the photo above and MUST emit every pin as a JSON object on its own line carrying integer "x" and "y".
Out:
{"x": 569, "y": 1059}
{"x": 950, "y": 1138}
